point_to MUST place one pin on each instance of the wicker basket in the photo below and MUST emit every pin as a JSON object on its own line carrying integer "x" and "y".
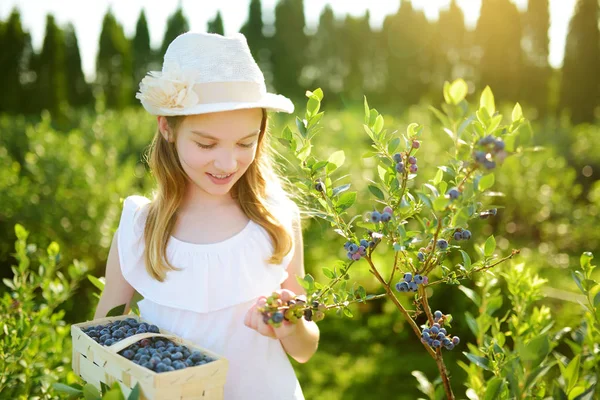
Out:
{"x": 96, "y": 363}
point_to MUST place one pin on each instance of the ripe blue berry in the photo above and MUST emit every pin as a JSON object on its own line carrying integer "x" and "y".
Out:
{"x": 347, "y": 245}
{"x": 489, "y": 139}
{"x": 397, "y": 157}
{"x": 466, "y": 234}
{"x": 426, "y": 330}
{"x": 362, "y": 250}
{"x": 407, "y": 277}
{"x": 371, "y": 244}
{"x": 455, "y": 340}
{"x": 400, "y": 167}
{"x": 453, "y": 193}
{"x": 320, "y": 186}
{"x": 435, "y": 330}
{"x": 375, "y": 216}
{"x": 416, "y": 144}
{"x": 450, "y": 346}
{"x": 413, "y": 168}
{"x": 442, "y": 244}
{"x": 385, "y": 217}
{"x": 277, "y": 317}
{"x": 418, "y": 279}
{"x": 480, "y": 156}
{"x": 446, "y": 342}
{"x": 441, "y": 336}
{"x": 353, "y": 248}
{"x": 364, "y": 243}
{"x": 349, "y": 255}
{"x": 413, "y": 287}
{"x": 436, "y": 325}
{"x": 425, "y": 335}
{"x": 412, "y": 160}
{"x": 443, "y": 330}
{"x": 436, "y": 343}
{"x": 489, "y": 164}
{"x": 498, "y": 145}
{"x": 421, "y": 256}
{"x": 402, "y": 287}
{"x": 438, "y": 314}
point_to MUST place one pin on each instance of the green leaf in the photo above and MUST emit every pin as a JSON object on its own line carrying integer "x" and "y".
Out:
{"x": 21, "y": 232}
{"x": 348, "y": 313}
{"x": 367, "y": 112}
{"x": 301, "y": 127}
{"x": 534, "y": 350}
{"x": 135, "y": 393}
{"x": 466, "y": 260}
{"x": 487, "y": 101}
{"x": 479, "y": 361}
{"x": 53, "y": 249}
{"x": 472, "y": 323}
{"x": 571, "y": 373}
{"x": 62, "y": 388}
{"x": 490, "y": 246}
{"x": 328, "y": 273}
{"x": 378, "y": 125}
{"x": 440, "y": 203}
{"x": 585, "y": 259}
{"x": 495, "y": 388}
{"x": 471, "y": 295}
{"x": 438, "y": 177}
{"x": 517, "y": 113}
{"x": 424, "y": 385}
{"x": 310, "y": 280}
{"x": 96, "y": 282}
{"x": 114, "y": 394}
{"x": 116, "y": 311}
{"x": 341, "y": 189}
{"x": 393, "y": 145}
{"x": 312, "y": 106}
{"x": 345, "y": 201}
{"x": 302, "y": 282}
{"x": 486, "y": 182}
{"x": 457, "y": 91}
{"x": 337, "y": 158}
{"x": 376, "y": 192}
{"x": 537, "y": 374}
{"x": 597, "y": 300}
{"x": 90, "y": 392}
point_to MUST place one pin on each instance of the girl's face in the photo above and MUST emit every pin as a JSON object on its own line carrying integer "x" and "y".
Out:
{"x": 216, "y": 149}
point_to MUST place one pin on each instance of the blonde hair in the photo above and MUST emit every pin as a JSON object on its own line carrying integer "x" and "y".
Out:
{"x": 250, "y": 192}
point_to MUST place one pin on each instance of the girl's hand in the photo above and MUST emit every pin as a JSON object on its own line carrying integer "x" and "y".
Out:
{"x": 254, "y": 318}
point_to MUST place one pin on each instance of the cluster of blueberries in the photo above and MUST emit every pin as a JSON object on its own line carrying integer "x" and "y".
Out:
{"x": 385, "y": 216}
{"x": 436, "y": 336}
{"x": 462, "y": 234}
{"x": 492, "y": 147}
{"x": 116, "y": 331}
{"x": 162, "y": 355}
{"x": 410, "y": 283}
{"x": 412, "y": 163}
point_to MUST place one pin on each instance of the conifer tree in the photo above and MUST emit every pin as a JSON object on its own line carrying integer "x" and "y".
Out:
{"x": 79, "y": 93}
{"x": 216, "y": 25}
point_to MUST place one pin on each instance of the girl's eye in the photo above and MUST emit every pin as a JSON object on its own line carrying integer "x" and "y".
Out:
{"x": 247, "y": 145}
{"x": 205, "y": 146}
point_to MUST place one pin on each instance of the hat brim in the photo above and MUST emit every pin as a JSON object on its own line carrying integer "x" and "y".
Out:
{"x": 270, "y": 101}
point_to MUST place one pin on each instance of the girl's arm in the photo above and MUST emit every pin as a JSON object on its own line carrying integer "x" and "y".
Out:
{"x": 117, "y": 290}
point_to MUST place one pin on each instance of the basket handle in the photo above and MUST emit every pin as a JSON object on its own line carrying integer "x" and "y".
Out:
{"x": 121, "y": 344}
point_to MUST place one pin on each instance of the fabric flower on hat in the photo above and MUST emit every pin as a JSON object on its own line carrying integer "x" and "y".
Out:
{"x": 169, "y": 89}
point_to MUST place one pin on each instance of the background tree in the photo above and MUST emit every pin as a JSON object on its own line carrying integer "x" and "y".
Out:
{"x": 142, "y": 52}
{"x": 113, "y": 65}
{"x": 253, "y": 30}
{"x": 12, "y": 59}
{"x": 580, "y": 86}
{"x": 289, "y": 47}
{"x": 536, "y": 43}
{"x": 451, "y": 51}
{"x": 52, "y": 84}
{"x": 216, "y": 25}
{"x": 176, "y": 25}
{"x": 407, "y": 37}
{"x": 79, "y": 93}
{"x": 498, "y": 36}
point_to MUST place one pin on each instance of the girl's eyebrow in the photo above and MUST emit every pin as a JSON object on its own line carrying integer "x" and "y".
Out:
{"x": 208, "y": 136}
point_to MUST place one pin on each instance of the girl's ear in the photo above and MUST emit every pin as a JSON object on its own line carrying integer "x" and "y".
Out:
{"x": 163, "y": 127}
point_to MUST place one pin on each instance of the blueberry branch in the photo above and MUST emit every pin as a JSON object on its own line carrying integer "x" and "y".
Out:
{"x": 480, "y": 269}
{"x": 389, "y": 292}
{"x": 428, "y": 265}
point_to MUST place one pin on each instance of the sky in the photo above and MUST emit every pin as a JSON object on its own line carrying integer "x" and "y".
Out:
{"x": 87, "y": 16}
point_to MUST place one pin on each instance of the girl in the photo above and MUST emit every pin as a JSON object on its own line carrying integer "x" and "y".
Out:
{"x": 219, "y": 234}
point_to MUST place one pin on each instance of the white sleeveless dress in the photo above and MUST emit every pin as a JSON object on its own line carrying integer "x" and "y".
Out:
{"x": 207, "y": 300}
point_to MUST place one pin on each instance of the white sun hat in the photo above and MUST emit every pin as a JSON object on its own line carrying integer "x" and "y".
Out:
{"x": 207, "y": 72}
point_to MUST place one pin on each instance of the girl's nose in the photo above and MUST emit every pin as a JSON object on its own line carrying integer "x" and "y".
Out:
{"x": 226, "y": 162}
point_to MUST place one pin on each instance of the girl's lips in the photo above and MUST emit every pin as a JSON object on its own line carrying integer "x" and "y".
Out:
{"x": 218, "y": 181}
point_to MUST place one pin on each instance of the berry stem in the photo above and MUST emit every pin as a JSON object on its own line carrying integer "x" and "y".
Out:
{"x": 389, "y": 292}
{"x": 394, "y": 268}
{"x": 462, "y": 183}
{"x": 428, "y": 265}
{"x": 480, "y": 269}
